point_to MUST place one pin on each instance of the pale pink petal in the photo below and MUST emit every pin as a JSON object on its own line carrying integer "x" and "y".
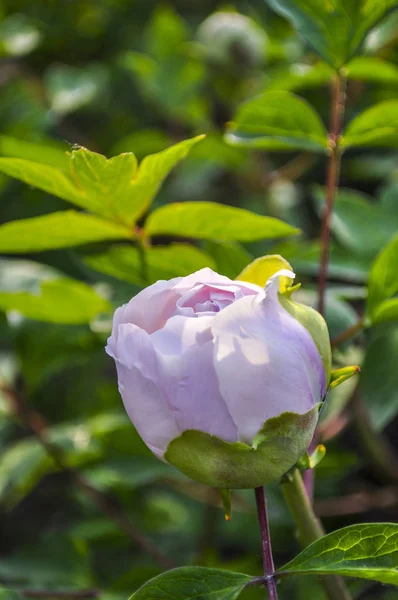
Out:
{"x": 184, "y": 350}
{"x": 266, "y": 361}
{"x": 141, "y": 388}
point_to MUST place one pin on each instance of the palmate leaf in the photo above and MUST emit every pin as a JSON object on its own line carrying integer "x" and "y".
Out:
{"x": 334, "y": 28}
{"x": 118, "y": 188}
{"x": 193, "y": 583}
{"x": 209, "y": 220}
{"x": 368, "y": 551}
{"x": 277, "y": 121}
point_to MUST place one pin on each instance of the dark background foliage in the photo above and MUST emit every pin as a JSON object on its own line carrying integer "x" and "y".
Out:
{"x": 124, "y": 76}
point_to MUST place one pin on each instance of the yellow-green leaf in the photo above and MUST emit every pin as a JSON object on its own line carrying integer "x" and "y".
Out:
{"x": 136, "y": 199}
{"x": 209, "y": 220}
{"x": 46, "y": 151}
{"x": 57, "y": 230}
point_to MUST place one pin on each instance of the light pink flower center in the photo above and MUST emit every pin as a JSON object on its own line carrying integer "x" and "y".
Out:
{"x": 204, "y": 299}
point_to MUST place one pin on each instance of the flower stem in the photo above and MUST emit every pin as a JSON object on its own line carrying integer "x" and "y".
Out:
{"x": 268, "y": 561}
{"x": 310, "y": 528}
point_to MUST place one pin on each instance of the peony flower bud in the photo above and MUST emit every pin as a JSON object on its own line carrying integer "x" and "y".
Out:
{"x": 222, "y": 379}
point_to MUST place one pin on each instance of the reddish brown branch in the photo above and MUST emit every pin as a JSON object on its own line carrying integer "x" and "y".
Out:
{"x": 268, "y": 561}
{"x": 357, "y": 503}
{"x": 336, "y": 117}
{"x": 72, "y": 594}
{"x": 348, "y": 333}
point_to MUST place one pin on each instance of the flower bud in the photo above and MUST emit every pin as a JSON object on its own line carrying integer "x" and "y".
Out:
{"x": 222, "y": 379}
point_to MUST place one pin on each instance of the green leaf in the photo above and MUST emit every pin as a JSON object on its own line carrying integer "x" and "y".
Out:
{"x": 334, "y": 28}
{"x": 59, "y": 301}
{"x": 113, "y": 188}
{"x": 377, "y": 126}
{"x": 368, "y": 551}
{"x": 209, "y": 220}
{"x": 383, "y": 278}
{"x": 7, "y": 594}
{"x": 277, "y": 121}
{"x": 54, "y": 560}
{"x": 230, "y": 257}
{"x": 360, "y": 225}
{"x": 302, "y": 76}
{"x": 193, "y": 583}
{"x": 47, "y": 151}
{"x": 128, "y": 473}
{"x": 19, "y": 34}
{"x": 261, "y": 269}
{"x": 169, "y": 74}
{"x": 386, "y": 311}
{"x": 151, "y": 173}
{"x": 25, "y": 462}
{"x": 370, "y": 68}
{"x": 69, "y": 88}
{"x": 378, "y": 384}
{"x": 46, "y": 177}
{"x": 58, "y": 230}
{"x": 102, "y": 180}
{"x": 147, "y": 266}
{"x": 362, "y": 68}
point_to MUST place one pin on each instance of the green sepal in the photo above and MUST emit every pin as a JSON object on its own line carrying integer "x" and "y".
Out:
{"x": 315, "y": 324}
{"x": 277, "y": 447}
{"x": 310, "y": 461}
{"x": 340, "y": 375}
{"x": 226, "y": 500}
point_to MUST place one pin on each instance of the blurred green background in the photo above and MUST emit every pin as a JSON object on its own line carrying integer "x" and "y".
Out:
{"x": 128, "y": 76}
